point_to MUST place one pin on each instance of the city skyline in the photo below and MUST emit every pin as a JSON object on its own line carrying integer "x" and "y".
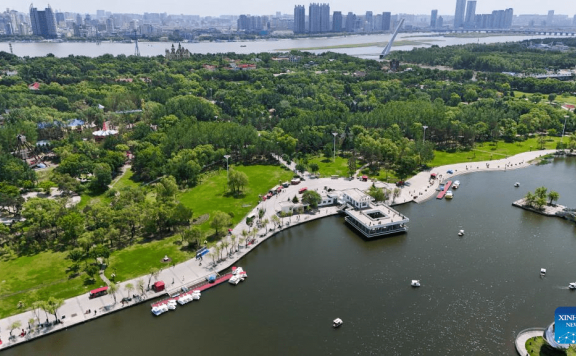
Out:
{"x": 260, "y": 7}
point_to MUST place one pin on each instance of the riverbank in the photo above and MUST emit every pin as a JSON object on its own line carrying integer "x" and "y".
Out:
{"x": 73, "y": 311}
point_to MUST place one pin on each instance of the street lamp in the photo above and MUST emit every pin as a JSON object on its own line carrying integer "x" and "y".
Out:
{"x": 424, "y": 137}
{"x": 335, "y": 134}
{"x": 564, "y": 129}
{"x": 227, "y": 174}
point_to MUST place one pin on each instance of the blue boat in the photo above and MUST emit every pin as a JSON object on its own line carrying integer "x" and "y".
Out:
{"x": 211, "y": 278}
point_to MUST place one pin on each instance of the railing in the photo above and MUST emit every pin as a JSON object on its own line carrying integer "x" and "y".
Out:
{"x": 520, "y": 348}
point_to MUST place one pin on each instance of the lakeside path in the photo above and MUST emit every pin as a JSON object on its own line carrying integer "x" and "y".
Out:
{"x": 191, "y": 272}
{"x": 523, "y": 336}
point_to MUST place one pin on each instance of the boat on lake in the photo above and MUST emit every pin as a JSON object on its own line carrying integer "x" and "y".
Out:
{"x": 415, "y": 283}
{"x": 456, "y": 184}
{"x": 449, "y": 195}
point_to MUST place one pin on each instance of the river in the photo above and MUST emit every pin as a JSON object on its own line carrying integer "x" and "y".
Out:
{"x": 91, "y": 49}
{"x": 477, "y": 291}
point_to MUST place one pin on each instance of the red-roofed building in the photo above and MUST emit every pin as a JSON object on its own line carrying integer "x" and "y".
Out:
{"x": 568, "y": 107}
{"x": 247, "y": 66}
{"x": 208, "y": 67}
{"x": 34, "y": 86}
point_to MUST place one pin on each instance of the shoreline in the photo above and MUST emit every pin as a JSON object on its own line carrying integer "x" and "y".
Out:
{"x": 191, "y": 271}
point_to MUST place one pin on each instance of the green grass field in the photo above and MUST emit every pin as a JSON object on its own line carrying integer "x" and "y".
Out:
{"x": 536, "y": 346}
{"x": 559, "y": 99}
{"x": 125, "y": 181}
{"x": 329, "y": 168}
{"x": 212, "y": 194}
{"x": 38, "y": 277}
{"x": 489, "y": 151}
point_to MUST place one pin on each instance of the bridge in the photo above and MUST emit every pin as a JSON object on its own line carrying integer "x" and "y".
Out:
{"x": 386, "y": 50}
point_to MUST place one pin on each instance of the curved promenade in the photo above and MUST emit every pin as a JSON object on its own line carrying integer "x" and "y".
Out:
{"x": 190, "y": 272}
{"x": 523, "y": 336}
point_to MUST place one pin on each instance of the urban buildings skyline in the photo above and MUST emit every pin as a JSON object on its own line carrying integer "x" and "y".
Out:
{"x": 103, "y": 23}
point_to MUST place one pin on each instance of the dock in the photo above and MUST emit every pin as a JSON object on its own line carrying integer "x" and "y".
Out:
{"x": 446, "y": 188}
{"x": 196, "y": 287}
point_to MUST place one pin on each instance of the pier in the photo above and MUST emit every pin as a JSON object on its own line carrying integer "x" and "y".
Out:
{"x": 370, "y": 219}
{"x": 443, "y": 192}
{"x": 174, "y": 295}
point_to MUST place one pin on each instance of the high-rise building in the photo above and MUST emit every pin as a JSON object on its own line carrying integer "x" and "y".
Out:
{"x": 100, "y": 14}
{"x": 110, "y": 25}
{"x": 43, "y": 22}
{"x": 60, "y": 19}
{"x": 459, "y": 14}
{"x": 318, "y": 18}
{"x": 369, "y": 18}
{"x": 550, "y": 18}
{"x": 433, "y": 18}
{"x": 337, "y": 21}
{"x": 574, "y": 21}
{"x": 386, "y": 21}
{"x": 350, "y": 22}
{"x": 440, "y": 22}
{"x": 508, "y": 17}
{"x": 324, "y": 17}
{"x": 299, "y": 19}
{"x": 79, "y": 20}
{"x": 470, "y": 14}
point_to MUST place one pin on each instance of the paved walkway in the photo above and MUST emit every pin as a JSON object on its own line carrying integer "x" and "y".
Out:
{"x": 74, "y": 310}
{"x": 523, "y": 336}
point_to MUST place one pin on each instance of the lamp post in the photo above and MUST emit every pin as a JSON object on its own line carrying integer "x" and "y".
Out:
{"x": 335, "y": 134}
{"x": 564, "y": 129}
{"x": 227, "y": 174}
{"x": 424, "y": 137}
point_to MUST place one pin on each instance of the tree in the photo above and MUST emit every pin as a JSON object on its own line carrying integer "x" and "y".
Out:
{"x": 15, "y": 325}
{"x": 154, "y": 272}
{"x": 295, "y": 200}
{"x": 377, "y": 193}
{"x": 275, "y": 220}
{"x": 540, "y": 202}
{"x": 300, "y": 168}
{"x": 314, "y": 167}
{"x": 220, "y": 221}
{"x": 237, "y": 180}
{"x": 54, "y": 304}
{"x": 140, "y": 285}
{"x": 551, "y": 97}
{"x": 46, "y": 186}
{"x": 351, "y": 165}
{"x": 102, "y": 177}
{"x": 530, "y": 199}
{"x": 112, "y": 290}
{"x": 91, "y": 271}
{"x": 193, "y": 234}
{"x": 540, "y": 192}
{"x": 129, "y": 288}
{"x": 553, "y": 196}
{"x": 311, "y": 198}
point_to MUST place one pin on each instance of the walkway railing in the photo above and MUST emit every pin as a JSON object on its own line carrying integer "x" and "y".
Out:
{"x": 521, "y": 345}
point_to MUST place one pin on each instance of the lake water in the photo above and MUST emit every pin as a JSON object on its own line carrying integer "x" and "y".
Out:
{"x": 157, "y": 48}
{"x": 477, "y": 291}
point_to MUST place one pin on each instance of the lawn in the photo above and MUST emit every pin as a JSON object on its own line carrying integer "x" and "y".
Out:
{"x": 119, "y": 183}
{"x": 490, "y": 151}
{"x": 212, "y": 194}
{"x": 559, "y": 99}
{"x": 328, "y": 168}
{"x": 208, "y": 196}
{"x": 125, "y": 181}
{"x": 38, "y": 277}
{"x": 536, "y": 346}
{"x": 137, "y": 259}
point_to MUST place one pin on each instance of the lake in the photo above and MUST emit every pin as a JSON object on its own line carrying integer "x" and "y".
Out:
{"x": 477, "y": 291}
{"x": 91, "y": 49}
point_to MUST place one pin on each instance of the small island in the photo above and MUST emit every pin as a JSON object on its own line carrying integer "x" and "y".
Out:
{"x": 542, "y": 202}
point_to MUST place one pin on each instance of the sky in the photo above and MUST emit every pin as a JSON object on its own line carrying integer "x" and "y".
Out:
{"x": 267, "y": 7}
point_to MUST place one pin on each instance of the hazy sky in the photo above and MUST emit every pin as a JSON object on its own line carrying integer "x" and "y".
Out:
{"x": 264, "y": 7}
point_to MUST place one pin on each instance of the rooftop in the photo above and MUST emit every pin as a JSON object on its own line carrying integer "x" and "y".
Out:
{"x": 377, "y": 215}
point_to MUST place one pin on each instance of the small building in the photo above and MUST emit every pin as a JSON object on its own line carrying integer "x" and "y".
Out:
{"x": 356, "y": 198}
{"x": 34, "y": 86}
{"x": 550, "y": 337}
{"x": 158, "y": 286}
{"x": 102, "y": 134}
{"x": 286, "y": 207}
{"x": 328, "y": 200}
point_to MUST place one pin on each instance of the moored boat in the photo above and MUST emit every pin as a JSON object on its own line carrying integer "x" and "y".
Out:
{"x": 449, "y": 195}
